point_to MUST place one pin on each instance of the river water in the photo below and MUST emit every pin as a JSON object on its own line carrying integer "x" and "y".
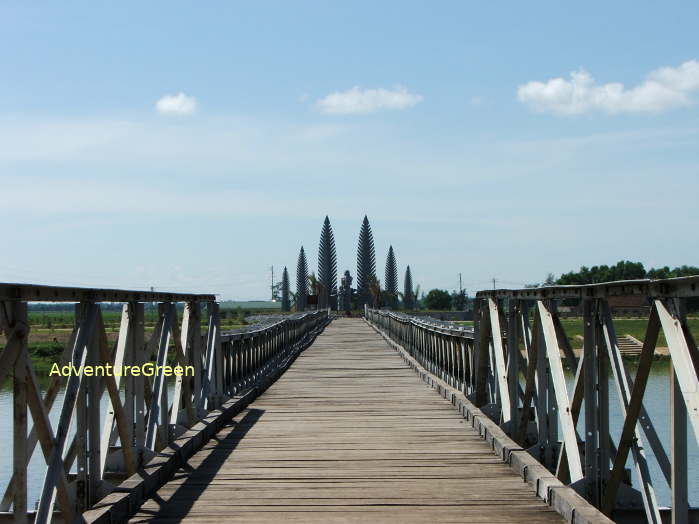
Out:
{"x": 657, "y": 402}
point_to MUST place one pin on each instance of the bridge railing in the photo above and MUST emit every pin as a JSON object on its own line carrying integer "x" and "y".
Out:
{"x": 88, "y": 448}
{"x": 447, "y": 353}
{"x": 512, "y": 368}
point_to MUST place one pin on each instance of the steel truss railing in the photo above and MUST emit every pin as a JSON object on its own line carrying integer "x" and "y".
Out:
{"x": 146, "y": 420}
{"x": 512, "y": 367}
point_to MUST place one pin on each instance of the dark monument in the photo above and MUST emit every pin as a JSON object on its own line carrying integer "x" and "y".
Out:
{"x": 345, "y": 293}
{"x": 286, "y": 303}
{"x": 366, "y": 263}
{"x": 408, "y": 297}
{"x": 391, "y": 281}
{"x": 327, "y": 266}
{"x": 301, "y": 281}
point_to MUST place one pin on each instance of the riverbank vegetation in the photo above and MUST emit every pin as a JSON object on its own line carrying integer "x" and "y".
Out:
{"x": 636, "y": 327}
{"x": 50, "y": 330}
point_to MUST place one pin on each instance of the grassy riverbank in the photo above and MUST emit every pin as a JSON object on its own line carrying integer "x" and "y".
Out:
{"x": 50, "y": 331}
{"x": 636, "y": 327}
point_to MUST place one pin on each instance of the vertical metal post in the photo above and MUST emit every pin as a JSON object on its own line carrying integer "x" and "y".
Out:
{"x": 139, "y": 356}
{"x": 680, "y": 503}
{"x": 195, "y": 354}
{"x": 513, "y": 363}
{"x": 81, "y": 488}
{"x": 93, "y": 386}
{"x": 157, "y": 414}
{"x": 541, "y": 381}
{"x": 128, "y": 317}
{"x": 19, "y": 412}
{"x": 218, "y": 356}
{"x": 603, "y": 399}
{"x": 590, "y": 396}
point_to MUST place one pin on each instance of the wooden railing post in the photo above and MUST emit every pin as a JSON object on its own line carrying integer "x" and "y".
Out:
{"x": 19, "y": 330}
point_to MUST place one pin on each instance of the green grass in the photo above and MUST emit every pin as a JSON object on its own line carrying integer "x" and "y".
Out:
{"x": 44, "y": 354}
{"x": 62, "y": 320}
{"x": 251, "y": 304}
{"x": 636, "y": 327}
{"x": 50, "y": 331}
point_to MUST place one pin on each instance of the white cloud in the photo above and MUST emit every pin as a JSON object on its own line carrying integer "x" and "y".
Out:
{"x": 179, "y": 104}
{"x": 360, "y": 100}
{"x": 663, "y": 89}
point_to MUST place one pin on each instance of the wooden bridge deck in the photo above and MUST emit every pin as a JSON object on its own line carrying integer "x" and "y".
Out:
{"x": 347, "y": 434}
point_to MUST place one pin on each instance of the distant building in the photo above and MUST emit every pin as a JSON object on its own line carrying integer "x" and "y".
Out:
{"x": 629, "y": 306}
{"x": 620, "y": 306}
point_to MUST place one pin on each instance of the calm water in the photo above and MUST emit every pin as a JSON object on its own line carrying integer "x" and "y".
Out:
{"x": 657, "y": 402}
{"x": 37, "y": 465}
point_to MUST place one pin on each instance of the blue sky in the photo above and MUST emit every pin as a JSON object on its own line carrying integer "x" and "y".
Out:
{"x": 191, "y": 146}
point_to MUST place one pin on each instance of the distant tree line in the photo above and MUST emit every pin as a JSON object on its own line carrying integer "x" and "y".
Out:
{"x": 442, "y": 300}
{"x": 622, "y": 270}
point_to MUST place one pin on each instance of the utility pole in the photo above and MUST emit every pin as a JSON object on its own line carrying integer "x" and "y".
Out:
{"x": 493, "y": 283}
{"x": 460, "y": 288}
{"x": 272, "y": 286}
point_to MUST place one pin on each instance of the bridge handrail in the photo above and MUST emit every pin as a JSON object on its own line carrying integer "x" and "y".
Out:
{"x": 425, "y": 323}
{"x": 146, "y": 421}
{"x": 43, "y": 293}
{"x": 256, "y": 331}
{"x": 512, "y": 369}
{"x": 678, "y": 287}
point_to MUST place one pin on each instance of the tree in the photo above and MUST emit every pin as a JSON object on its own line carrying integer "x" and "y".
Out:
{"x": 623, "y": 270}
{"x": 550, "y": 280}
{"x": 366, "y": 262}
{"x": 301, "y": 281}
{"x": 459, "y": 300}
{"x": 438, "y": 299}
{"x": 314, "y": 284}
{"x": 374, "y": 290}
{"x": 286, "y": 303}
{"x": 666, "y": 272}
{"x": 408, "y": 297}
{"x": 391, "y": 281}
{"x": 276, "y": 292}
{"x": 327, "y": 265}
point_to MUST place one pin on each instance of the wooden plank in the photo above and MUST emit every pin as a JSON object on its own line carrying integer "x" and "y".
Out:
{"x": 347, "y": 434}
